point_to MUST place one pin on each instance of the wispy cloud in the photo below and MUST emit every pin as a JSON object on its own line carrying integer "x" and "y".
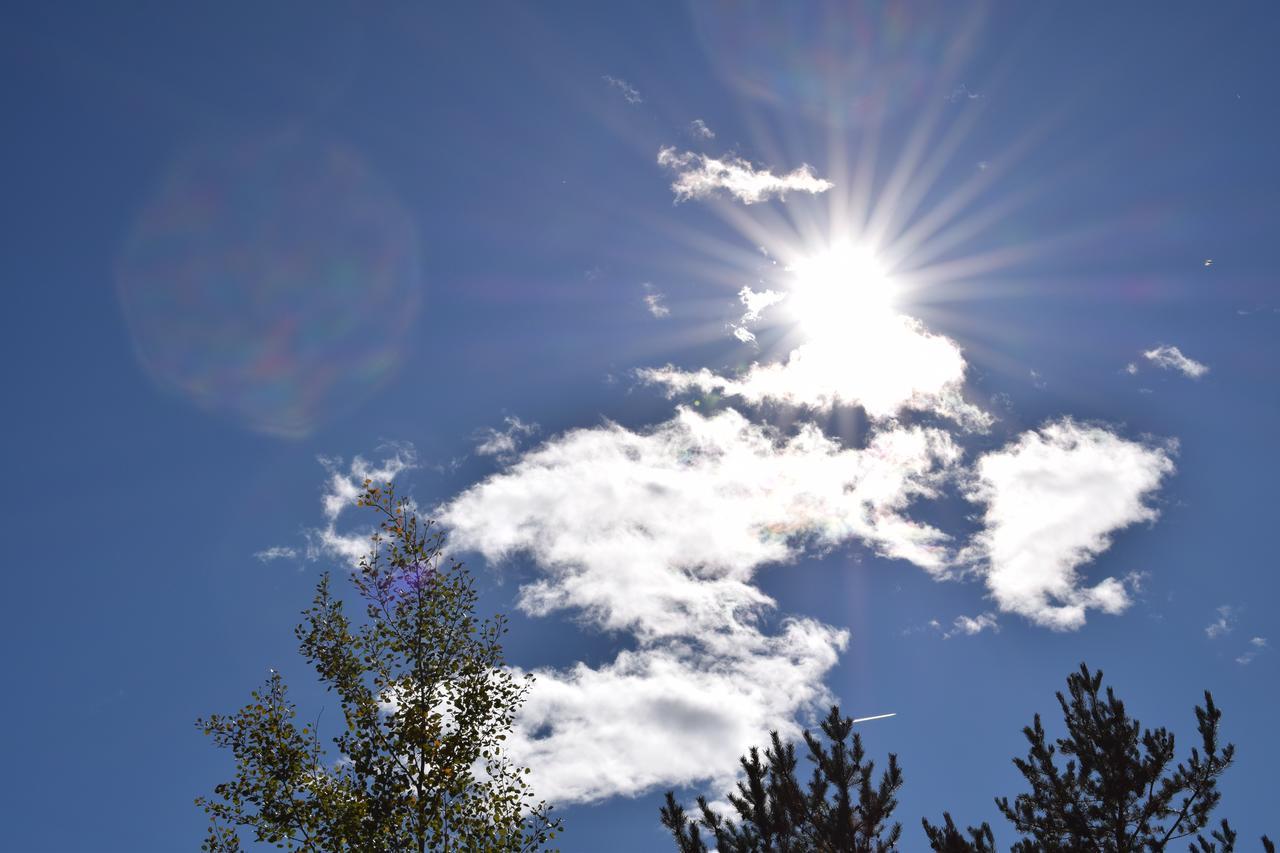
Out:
{"x": 700, "y": 176}
{"x": 963, "y": 93}
{"x": 1171, "y": 358}
{"x": 1256, "y": 646}
{"x": 655, "y": 301}
{"x": 629, "y": 93}
{"x": 698, "y": 129}
{"x": 970, "y": 625}
{"x": 342, "y": 487}
{"x": 1054, "y": 498}
{"x": 1223, "y": 625}
{"x": 504, "y": 442}
{"x": 277, "y": 552}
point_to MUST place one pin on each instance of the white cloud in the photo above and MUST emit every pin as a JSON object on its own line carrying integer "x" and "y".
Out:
{"x": 1053, "y": 500}
{"x": 659, "y": 534}
{"x": 744, "y": 334}
{"x": 341, "y": 491}
{"x": 1224, "y": 624}
{"x": 1171, "y": 358}
{"x": 607, "y": 512}
{"x": 756, "y": 301}
{"x": 970, "y": 625}
{"x": 671, "y": 714}
{"x": 699, "y": 129}
{"x": 1257, "y": 645}
{"x": 502, "y": 443}
{"x": 897, "y": 366}
{"x": 699, "y": 176}
{"x": 629, "y": 93}
{"x": 654, "y": 301}
{"x": 277, "y": 552}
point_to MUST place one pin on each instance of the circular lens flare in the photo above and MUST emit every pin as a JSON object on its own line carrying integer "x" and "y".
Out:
{"x": 841, "y": 291}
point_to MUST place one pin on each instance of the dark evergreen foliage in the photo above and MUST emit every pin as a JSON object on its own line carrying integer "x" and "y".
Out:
{"x": 1109, "y": 785}
{"x": 841, "y": 809}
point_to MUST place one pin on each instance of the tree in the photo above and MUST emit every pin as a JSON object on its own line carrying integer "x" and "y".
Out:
{"x": 839, "y": 810}
{"x": 426, "y": 705}
{"x": 1116, "y": 792}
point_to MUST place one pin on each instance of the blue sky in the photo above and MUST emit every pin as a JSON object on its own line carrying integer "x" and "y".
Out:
{"x": 900, "y": 358}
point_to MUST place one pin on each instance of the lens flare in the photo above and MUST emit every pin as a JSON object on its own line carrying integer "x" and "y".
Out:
{"x": 271, "y": 280}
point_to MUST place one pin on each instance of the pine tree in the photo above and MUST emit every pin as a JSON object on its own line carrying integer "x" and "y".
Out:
{"x": 840, "y": 809}
{"x": 1109, "y": 785}
{"x": 426, "y": 705}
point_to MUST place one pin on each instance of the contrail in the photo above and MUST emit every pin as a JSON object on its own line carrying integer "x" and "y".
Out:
{"x": 876, "y": 717}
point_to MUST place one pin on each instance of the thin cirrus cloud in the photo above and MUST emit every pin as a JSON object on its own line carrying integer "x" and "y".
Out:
{"x": 1053, "y": 499}
{"x": 1172, "y": 358}
{"x": 699, "y": 176}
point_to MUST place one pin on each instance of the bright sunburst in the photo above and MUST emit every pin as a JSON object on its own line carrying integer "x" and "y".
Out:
{"x": 840, "y": 289}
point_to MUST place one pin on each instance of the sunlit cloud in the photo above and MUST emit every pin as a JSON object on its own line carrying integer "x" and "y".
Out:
{"x": 699, "y": 176}
{"x": 1171, "y": 358}
{"x": 605, "y": 512}
{"x": 1053, "y": 500}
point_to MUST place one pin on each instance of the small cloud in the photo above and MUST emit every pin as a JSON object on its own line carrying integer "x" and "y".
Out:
{"x": 699, "y": 130}
{"x": 1257, "y": 644}
{"x": 963, "y": 93}
{"x": 653, "y": 299}
{"x": 756, "y": 301}
{"x": 276, "y": 553}
{"x": 970, "y": 625}
{"x": 744, "y": 334}
{"x": 1037, "y": 380}
{"x": 1225, "y": 623}
{"x": 1208, "y": 262}
{"x": 1171, "y": 358}
{"x": 592, "y": 274}
{"x": 502, "y": 443}
{"x": 700, "y": 176}
{"x": 983, "y": 165}
{"x": 629, "y": 93}
{"x": 1131, "y": 368}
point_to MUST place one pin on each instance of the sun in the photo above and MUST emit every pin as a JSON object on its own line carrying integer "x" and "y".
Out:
{"x": 843, "y": 290}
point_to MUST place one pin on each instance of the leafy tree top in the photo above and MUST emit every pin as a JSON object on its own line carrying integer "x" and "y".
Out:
{"x": 427, "y": 705}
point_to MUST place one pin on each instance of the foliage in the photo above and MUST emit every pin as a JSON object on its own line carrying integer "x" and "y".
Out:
{"x": 840, "y": 809}
{"x": 1116, "y": 791}
{"x": 427, "y": 705}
